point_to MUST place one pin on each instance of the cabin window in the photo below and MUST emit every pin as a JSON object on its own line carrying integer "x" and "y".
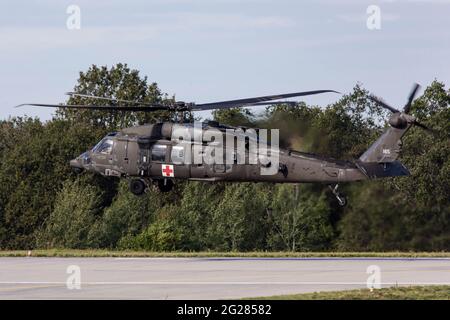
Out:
{"x": 178, "y": 154}
{"x": 159, "y": 152}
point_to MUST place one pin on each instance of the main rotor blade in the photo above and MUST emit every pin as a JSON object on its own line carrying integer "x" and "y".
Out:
{"x": 74, "y": 94}
{"x": 411, "y": 98}
{"x": 178, "y": 106}
{"x": 269, "y": 103}
{"x": 251, "y": 101}
{"x": 382, "y": 103}
{"x": 104, "y": 108}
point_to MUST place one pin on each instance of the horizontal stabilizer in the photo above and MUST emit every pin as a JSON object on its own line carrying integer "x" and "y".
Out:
{"x": 375, "y": 170}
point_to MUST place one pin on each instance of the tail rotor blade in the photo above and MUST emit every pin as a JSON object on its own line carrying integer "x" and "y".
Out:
{"x": 383, "y": 104}
{"x": 421, "y": 125}
{"x": 411, "y": 98}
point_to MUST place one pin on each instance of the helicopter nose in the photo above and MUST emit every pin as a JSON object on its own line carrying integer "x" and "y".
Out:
{"x": 76, "y": 165}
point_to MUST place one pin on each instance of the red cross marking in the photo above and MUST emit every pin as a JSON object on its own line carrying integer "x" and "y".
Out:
{"x": 167, "y": 171}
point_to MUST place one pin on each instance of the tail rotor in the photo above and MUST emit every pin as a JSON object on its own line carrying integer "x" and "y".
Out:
{"x": 401, "y": 119}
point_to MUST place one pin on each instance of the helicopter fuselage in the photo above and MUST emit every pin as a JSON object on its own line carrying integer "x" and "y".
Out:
{"x": 150, "y": 152}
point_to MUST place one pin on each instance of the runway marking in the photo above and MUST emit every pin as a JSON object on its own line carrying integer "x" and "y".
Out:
{"x": 287, "y": 258}
{"x": 33, "y": 286}
{"x": 220, "y": 283}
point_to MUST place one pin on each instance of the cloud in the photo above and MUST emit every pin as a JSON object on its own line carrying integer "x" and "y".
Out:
{"x": 29, "y": 38}
{"x": 229, "y": 21}
{"x": 162, "y": 25}
{"x": 419, "y": 1}
{"x": 361, "y": 18}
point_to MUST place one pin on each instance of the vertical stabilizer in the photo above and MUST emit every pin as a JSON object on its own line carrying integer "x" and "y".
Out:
{"x": 386, "y": 148}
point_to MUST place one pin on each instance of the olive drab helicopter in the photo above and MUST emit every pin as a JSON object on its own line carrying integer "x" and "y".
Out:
{"x": 149, "y": 154}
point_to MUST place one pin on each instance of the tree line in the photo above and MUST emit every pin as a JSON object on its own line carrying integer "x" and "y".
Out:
{"x": 44, "y": 205}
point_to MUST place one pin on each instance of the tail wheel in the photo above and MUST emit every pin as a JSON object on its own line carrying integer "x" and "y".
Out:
{"x": 342, "y": 200}
{"x": 165, "y": 185}
{"x": 137, "y": 187}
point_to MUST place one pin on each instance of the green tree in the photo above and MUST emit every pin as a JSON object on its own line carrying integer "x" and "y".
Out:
{"x": 238, "y": 222}
{"x": 195, "y": 213}
{"x": 163, "y": 234}
{"x": 69, "y": 225}
{"x": 117, "y": 82}
{"x": 234, "y": 117}
{"x": 127, "y": 216}
{"x": 299, "y": 219}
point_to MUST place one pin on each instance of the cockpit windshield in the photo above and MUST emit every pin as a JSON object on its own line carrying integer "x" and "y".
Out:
{"x": 105, "y": 145}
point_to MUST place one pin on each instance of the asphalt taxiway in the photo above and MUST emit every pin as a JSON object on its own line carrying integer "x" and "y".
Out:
{"x": 207, "y": 278}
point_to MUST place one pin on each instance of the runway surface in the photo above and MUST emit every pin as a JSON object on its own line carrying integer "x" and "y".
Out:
{"x": 205, "y": 278}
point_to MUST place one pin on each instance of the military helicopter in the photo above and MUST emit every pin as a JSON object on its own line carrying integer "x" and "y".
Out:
{"x": 152, "y": 154}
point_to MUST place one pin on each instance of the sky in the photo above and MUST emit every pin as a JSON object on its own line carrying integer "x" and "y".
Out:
{"x": 212, "y": 50}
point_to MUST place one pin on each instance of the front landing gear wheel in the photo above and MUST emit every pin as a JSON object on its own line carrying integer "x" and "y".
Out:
{"x": 341, "y": 198}
{"x": 137, "y": 187}
{"x": 165, "y": 185}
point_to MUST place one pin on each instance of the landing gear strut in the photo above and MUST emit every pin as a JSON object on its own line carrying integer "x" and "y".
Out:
{"x": 342, "y": 200}
{"x": 165, "y": 185}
